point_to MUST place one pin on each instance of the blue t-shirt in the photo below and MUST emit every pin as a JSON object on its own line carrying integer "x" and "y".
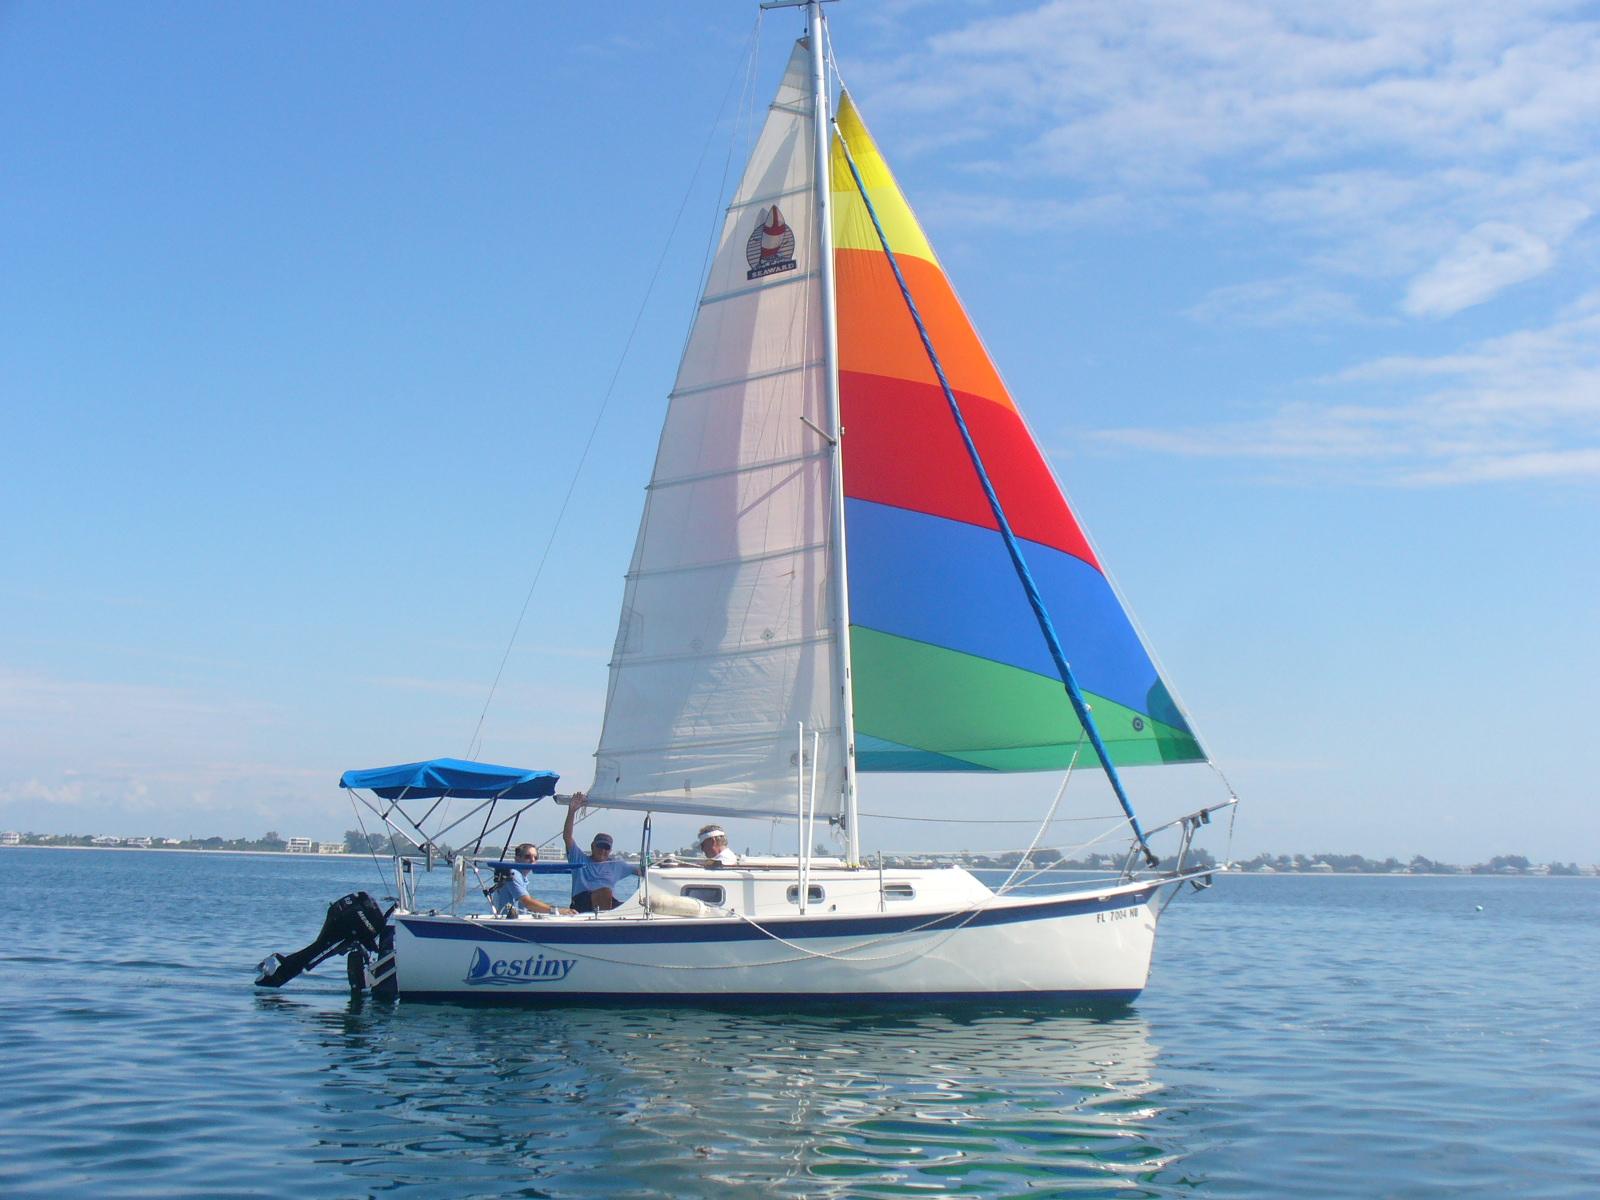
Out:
{"x": 591, "y": 874}
{"x": 511, "y": 891}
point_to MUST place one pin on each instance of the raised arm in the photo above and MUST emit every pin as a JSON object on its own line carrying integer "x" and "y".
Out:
{"x": 573, "y": 805}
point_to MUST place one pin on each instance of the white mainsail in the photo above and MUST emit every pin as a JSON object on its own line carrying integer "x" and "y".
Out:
{"x": 725, "y": 645}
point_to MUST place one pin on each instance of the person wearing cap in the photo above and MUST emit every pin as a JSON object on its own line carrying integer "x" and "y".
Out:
{"x": 511, "y": 887}
{"x": 597, "y": 874}
{"x": 714, "y": 845}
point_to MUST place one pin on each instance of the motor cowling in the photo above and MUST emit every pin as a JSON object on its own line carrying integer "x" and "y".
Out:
{"x": 352, "y": 921}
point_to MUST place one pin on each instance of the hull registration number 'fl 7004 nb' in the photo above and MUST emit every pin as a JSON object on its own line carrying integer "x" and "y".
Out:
{"x": 1116, "y": 914}
{"x": 511, "y": 972}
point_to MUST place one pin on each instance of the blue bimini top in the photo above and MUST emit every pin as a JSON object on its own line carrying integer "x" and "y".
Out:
{"x": 441, "y": 777}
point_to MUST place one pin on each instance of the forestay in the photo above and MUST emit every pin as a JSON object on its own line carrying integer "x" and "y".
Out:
{"x": 724, "y": 646}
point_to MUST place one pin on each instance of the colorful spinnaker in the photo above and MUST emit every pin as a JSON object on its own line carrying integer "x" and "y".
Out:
{"x": 949, "y": 668}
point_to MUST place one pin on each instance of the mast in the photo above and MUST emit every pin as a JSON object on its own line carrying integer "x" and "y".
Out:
{"x": 830, "y": 375}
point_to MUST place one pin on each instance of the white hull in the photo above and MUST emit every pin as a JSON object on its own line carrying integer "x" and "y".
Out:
{"x": 1091, "y": 945}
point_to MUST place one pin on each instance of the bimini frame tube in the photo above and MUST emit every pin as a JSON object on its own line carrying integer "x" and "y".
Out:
{"x": 1046, "y": 626}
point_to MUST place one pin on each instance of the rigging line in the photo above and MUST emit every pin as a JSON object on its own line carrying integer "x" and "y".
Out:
{"x": 1095, "y": 880}
{"x": 1227, "y": 857}
{"x": 362, "y": 825}
{"x": 583, "y": 457}
{"x": 1117, "y": 817}
{"x": 1078, "y": 848}
{"x": 1226, "y": 782}
{"x": 1045, "y": 824}
{"x": 1035, "y": 601}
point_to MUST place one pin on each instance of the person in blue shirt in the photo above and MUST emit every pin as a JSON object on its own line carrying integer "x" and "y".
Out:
{"x": 597, "y": 874}
{"x": 511, "y": 887}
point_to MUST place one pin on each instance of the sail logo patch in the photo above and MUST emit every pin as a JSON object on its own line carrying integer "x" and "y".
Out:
{"x": 771, "y": 245}
{"x": 513, "y": 972}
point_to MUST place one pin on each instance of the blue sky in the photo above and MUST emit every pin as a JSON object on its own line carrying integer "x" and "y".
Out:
{"x": 307, "y": 315}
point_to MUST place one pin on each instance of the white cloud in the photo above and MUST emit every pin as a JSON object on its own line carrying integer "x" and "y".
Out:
{"x": 1276, "y": 302}
{"x": 1394, "y": 138}
{"x": 1520, "y": 406}
{"x": 1482, "y": 262}
{"x": 1488, "y": 258}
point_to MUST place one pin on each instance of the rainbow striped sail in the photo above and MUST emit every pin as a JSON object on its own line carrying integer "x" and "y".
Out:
{"x": 728, "y": 644}
{"x": 949, "y": 669}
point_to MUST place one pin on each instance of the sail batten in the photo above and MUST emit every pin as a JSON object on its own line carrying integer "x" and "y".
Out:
{"x": 771, "y": 198}
{"x": 708, "y": 300}
{"x": 734, "y": 650}
{"x": 716, "y": 384}
{"x": 656, "y": 485}
{"x": 787, "y": 552}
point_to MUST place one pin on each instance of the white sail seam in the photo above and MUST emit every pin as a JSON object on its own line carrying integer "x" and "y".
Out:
{"x": 799, "y": 110}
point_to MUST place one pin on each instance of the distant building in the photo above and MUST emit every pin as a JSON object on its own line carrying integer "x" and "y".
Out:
{"x": 330, "y": 848}
{"x": 300, "y": 846}
{"x": 10, "y": 839}
{"x": 1321, "y": 867}
{"x": 142, "y": 843}
{"x": 105, "y": 839}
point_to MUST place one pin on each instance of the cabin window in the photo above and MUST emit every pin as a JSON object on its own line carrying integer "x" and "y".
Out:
{"x": 814, "y": 893}
{"x": 706, "y": 893}
{"x": 899, "y": 891}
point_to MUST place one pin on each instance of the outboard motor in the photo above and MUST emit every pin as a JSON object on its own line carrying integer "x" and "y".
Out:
{"x": 354, "y": 923}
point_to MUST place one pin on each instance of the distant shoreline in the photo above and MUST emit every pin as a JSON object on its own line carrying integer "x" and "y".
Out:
{"x": 193, "y": 850}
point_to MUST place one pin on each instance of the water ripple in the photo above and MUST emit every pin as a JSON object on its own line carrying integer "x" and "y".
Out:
{"x": 1302, "y": 1037}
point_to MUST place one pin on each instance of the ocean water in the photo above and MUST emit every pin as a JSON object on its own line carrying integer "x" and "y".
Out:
{"x": 1371, "y": 1037}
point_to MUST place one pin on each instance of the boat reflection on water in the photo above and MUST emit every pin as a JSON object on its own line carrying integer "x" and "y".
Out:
{"x": 681, "y": 1102}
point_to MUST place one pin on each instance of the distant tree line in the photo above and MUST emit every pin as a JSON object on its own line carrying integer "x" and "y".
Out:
{"x": 1500, "y": 864}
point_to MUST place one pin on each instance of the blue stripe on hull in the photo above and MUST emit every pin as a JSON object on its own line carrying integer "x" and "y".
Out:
{"x": 671, "y": 931}
{"x": 771, "y": 1002}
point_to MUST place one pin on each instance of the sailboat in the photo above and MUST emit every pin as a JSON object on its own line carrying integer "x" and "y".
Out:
{"x": 853, "y": 558}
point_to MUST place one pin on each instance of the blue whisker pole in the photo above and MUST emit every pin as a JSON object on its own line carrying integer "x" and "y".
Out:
{"x": 1046, "y": 626}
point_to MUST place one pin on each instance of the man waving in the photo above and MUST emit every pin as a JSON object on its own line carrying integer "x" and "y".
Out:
{"x": 596, "y": 873}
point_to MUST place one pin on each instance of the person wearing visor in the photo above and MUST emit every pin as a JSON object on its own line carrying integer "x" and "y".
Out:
{"x": 714, "y": 845}
{"x": 597, "y": 875}
{"x": 511, "y": 887}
